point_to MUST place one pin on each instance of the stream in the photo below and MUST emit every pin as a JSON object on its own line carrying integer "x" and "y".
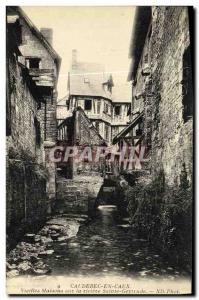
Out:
{"x": 106, "y": 245}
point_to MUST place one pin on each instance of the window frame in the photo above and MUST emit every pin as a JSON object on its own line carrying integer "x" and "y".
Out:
{"x": 86, "y": 101}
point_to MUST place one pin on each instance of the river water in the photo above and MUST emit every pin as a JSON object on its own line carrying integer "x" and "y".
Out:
{"x": 106, "y": 245}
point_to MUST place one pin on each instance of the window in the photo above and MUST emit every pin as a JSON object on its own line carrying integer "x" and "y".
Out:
{"x": 37, "y": 132}
{"x": 139, "y": 129}
{"x": 106, "y": 108}
{"x": 33, "y": 63}
{"x": 110, "y": 88}
{"x": 88, "y": 104}
{"x": 117, "y": 110}
{"x": 187, "y": 88}
{"x": 98, "y": 106}
{"x": 97, "y": 125}
{"x": 129, "y": 109}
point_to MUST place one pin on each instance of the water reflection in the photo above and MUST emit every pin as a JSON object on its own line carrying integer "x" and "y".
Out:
{"x": 107, "y": 208}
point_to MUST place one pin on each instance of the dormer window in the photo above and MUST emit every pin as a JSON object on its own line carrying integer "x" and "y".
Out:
{"x": 33, "y": 62}
{"x": 110, "y": 88}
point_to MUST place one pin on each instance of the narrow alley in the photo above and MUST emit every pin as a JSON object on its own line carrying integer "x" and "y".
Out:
{"x": 99, "y": 179}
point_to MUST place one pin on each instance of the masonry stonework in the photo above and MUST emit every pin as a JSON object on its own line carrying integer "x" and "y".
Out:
{"x": 162, "y": 88}
{"x": 78, "y": 131}
{"x": 172, "y": 136}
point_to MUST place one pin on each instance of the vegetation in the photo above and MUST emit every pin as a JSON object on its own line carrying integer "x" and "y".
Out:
{"x": 163, "y": 214}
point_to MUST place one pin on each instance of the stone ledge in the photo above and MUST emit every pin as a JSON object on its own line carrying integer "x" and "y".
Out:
{"x": 49, "y": 144}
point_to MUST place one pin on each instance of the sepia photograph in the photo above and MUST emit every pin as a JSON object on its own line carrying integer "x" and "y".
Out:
{"x": 99, "y": 150}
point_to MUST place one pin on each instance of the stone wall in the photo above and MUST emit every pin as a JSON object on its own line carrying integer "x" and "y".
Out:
{"x": 30, "y": 179}
{"x": 77, "y": 195}
{"x": 31, "y": 46}
{"x": 161, "y": 209}
{"x": 26, "y": 198}
{"x": 141, "y": 93}
{"x": 85, "y": 132}
{"x": 158, "y": 90}
{"x": 85, "y": 135}
{"x": 172, "y": 136}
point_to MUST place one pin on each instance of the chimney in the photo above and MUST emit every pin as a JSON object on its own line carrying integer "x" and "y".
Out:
{"x": 48, "y": 34}
{"x": 74, "y": 58}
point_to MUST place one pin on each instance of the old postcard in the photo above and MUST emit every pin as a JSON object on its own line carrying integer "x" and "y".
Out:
{"x": 99, "y": 129}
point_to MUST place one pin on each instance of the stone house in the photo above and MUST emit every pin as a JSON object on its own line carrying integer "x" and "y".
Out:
{"x": 32, "y": 73}
{"x": 162, "y": 90}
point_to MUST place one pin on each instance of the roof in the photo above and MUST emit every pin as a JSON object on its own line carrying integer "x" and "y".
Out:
{"x": 36, "y": 32}
{"x": 88, "y": 79}
{"x": 126, "y": 130}
{"x": 140, "y": 28}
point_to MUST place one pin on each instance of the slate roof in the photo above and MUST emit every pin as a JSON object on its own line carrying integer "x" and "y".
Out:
{"x": 87, "y": 79}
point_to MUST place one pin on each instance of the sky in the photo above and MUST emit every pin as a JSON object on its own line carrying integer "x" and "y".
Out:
{"x": 100, "y": 34}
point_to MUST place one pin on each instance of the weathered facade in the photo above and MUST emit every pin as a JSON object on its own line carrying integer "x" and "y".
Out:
{"x": 32, "y": 72}
{"x": 161, "y": 75}
{"x": 79, "y": 177}
{"x": 77, "y": 130}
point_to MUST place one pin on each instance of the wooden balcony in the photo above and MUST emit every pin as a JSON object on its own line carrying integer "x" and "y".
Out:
{"x": 43, "y": 77}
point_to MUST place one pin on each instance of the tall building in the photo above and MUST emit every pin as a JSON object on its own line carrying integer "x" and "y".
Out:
{"x": 162, "y": 90}
{"x": 92, "y": 89}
